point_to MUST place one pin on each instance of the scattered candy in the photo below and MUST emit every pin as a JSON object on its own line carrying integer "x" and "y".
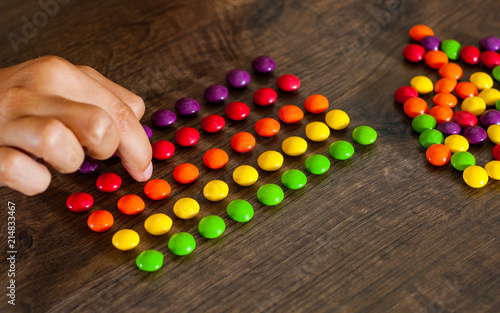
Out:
{"x": 404, "y": 93}
{"x": 181, "y": 244}
{"x": 489, "y": 117}
{"x": 240, "y": 210}
{"x": 451, "y": 70}
{"x": 475, "y": 176}
{"x": 317, "y": 131}
{"x": 131, "y": 204}
{"x": 294, "y": 146}
{"x": 186, "y": 208}
{"x": 415, "y": 106}
{"x": 317, "y": 164}
{"x": 265, "y": 96}
{"x": 270, "y": 160}
{"x": 490, "y": 43}
{"x": 158, "y": 224}
{"x": 414, "y": 52}
{"x": 293, "y": 179}
{"x": 418, "y": 32}
{"x": 238, "y": 78}
{"x": 438, "y": 154}
{"x": 493, "y": 133}
{"x": 422, "y": 84}
{"x": 237, "y": 111}
{"x": 470, "y": 55}
{"x": 270, "y": 194}
{"x": 462, "y": 160}
{"x": 216, "y": 93}
{"x": 213, "y": 123}
{"x": 149, "y": 260}
{"x": 163, "y": 118}
{"x": 187, "y": 106}
{"x": 456, "y": 143}
{"x": 148, "y": 131}
{"x": 445, "y": 85}
{"x": 341, "y": 150}
{"x": 466, "y": 89}
{"x": 436, "y": 59}
{"x": 493, "y": 169}
{"x": 449, "y": 128}
{"x": 452, "y": 48}
{"x": 430, "y": 137}
{"x": 263, "y": 64}
{"x": 490, "y": 96}
{"x": 465, "y": 119}
{"x": 100, "y": 220}
{"x": 245, "y": 175}
{"x": 422, "y": 122}
{"x": 163, "y": 149}
{"x": 80, "y": 202}
{"x": 89, "y": 165}
{"x": 474, "y": 105}
{"x": 125, "y": 239}
{"x": 108, "y": 182}
{"x": 211, "y": 226}
{"x": 337, "y": 119}
{"x": 187, "y": 136}
{"x": 267, "y": 127}
{"x": 490, "y": 59}
{"x": 216, "y": 190}
{"x": 445, "y": 99}
{"x": 316, "y": 104}
{"x": 215, "y": 158}
{"x": 290, "y": 114}
{"x": 186, "y": 173}
{"x": 481, "y": 80}
{"x": 430, "y": 43}
{"x": 243, "y": 142}
{"x": 288, "y": 82}
{"x": 364, "y": 135}
{"x": 157, "y": 189}
{"x": 441, "y": 113}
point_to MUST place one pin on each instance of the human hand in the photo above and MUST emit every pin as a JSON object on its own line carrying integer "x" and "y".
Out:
{"x": 53, "y": 110}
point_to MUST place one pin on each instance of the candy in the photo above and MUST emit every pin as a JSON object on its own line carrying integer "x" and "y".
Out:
{"x": 452, "y": 48}
{"x": 341, "y": 150}
{"x": 211, "y": 226}
{"x": 158, "y": 224}
{"x": 288, "y": 82}
{"x": 445, "y": 85}
{"x": 89, "y": 165}
{"x": 243, "y": 142}
{"x": 418, "y": 32}
{"x": 496, "y": 152}
{"x": 470, "y": 55}
{"x": 100, "y": 221}
{"x": 186, "y": 173}
{"x": 475, "y": 176}
{"x": 237, "y": 111}
{"x": 423, "y": 122}
{"x": 436, "y": 59}
{"x": 430, "y": 43}
{"x": 414, "y": 52}
{"x": 493, "y": 133}
{"x": 163, "y": 118}
{"x": 489, "y": 117}
{"x": 238, "y": 78}
{"x": 481, "y": 80}
{"x": 415, "y": 106}
{"x": 456, "y": 143}
{"x": 163, "y": 149}
{"x": 465, "y": 119}
{"x": 430, "y": 137}
{"x": 422, "y": 84}
{"x": 267, "y": 127}
{"x": 404, "y": 93}
{"x": 216, "y": 190}
{"x": 270, "y": 194}
{"x": 490, "y": 43}
{"x": 215, "y": 158}
{"x": 240, "y": 210}
{"x": 438, "y": 154}
{"x": 213, "y": 123}
{"x": 466, "y": 89}
{"x": 316, "y": 104}
{"x": 270, "y": 160}
{"x": 245, "y": 175}
{"x": 80, "y": 202}
{"x": 317, "y": 131}
{"x": 474, "y": 105}
{"x": 293, "y": 179}
{"x": 317, "y": 164}
{"x": 149, "y": 260}
{"x": 364, "y": 135}
{"x": 186, "y": 208}
{"x": 216, "y": 93}
{"x": 187, "y": 136}
{"x": 294, "y": 146}
{"x": 490, "y": 59}
{"x": 337, "y": 119}
{"x": 131, "y": 204}
{"x": 290, "y": 114}
{"x": 181, "y": 244}
{"x": 147, "y": 130}
{"x": 451, "y": 70}
{"x": 475, "y": 134}
{"x": 263, "y": 64}
{"x": 462, "y": 160}
{"x": 493, "y": 169}
{"x": 496, "y": 73}
{"x": 490, "y": 96}
{"x": 265, "y": 96}
{"x": 445, "y": 99}
{"x": 157, "y": 189}
{"x": 449, "y": 128}
{"x": 125, "y": 239}
{"x": 187, "y": 106}
{"x": 108, "y": 182}
{"x": 441, "y": 113}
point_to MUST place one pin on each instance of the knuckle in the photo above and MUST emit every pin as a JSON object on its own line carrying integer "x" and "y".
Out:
{"x": 99, "y": 127}
{"x": 137, "y": 104}
{"x": 51, "y": 134}
{"x": 10, "y": 163}
{"x": 124, "y": 118}
{"x": 51, "y": 64}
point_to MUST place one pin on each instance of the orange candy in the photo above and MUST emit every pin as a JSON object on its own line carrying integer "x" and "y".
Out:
{"x": 100, "y": 220}
{"x": 243, "y": 142}
{"x": 290, "y": 114}
{"x": 438, "y": 154}
{"x": 418, "y": 32}
{"x": 415, "y": 106}
{"x": 157, "y": 189}
{"x": 131, "y": 204}
{"x": 441, "y": 113}
{"x": 466, "y": 89}
{"x": 451, "y": 70}
{"x": 436, "y": 59}
{"x": 445, "y": 85}
{"x": 445, "y": 99}
{"x": 316, "y": 104}
{"x": 215, "y": 158}
{"x": 267, "y": 127}
{"x": 186, "y": 173}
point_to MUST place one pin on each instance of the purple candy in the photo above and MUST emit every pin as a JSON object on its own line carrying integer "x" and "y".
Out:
{"x": 148, "y": 131}
{"x": 490, "y": 43}
{"x": 430, "y": 43}
{"x": 187, "y": 106}
{"x": 490, "y": 117}
{"x": 475, "y": 134}
{"x": 89, "y": 165}
{"x": 238, "y": 78}
{"x": 216, "y": 93}
{"x": 449, "y": 128}
{"x": 163, "y": 118}
{"x": 263, "y": 64}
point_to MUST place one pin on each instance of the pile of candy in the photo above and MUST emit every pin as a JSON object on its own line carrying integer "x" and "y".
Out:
{"x": 479, "y": 116}
{"x": 240, "y": 210}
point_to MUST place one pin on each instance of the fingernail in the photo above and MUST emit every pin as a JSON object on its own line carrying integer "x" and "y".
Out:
{"x": 148, "y": 172}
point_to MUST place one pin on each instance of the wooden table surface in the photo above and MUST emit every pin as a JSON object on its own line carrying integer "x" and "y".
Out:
{"x": 382, "y": 232}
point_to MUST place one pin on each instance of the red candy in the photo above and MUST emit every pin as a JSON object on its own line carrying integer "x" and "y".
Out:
{"x": 265, "y": 96}
{"x": 288, "y": 82}
{"x": 213, "y": 123}
{"x": 163, "y": 149}
{"x": 80, "y": 202}
{"x": 108, "y": 182}
{"x": 100, "y": 221}
{"x": 404, "y": 93}
{"x": 187, "y": 136}
{"x": 490, "y": 59}
{"x": 470, "y": 55}
{"x": 496, "y": 152}
{"x": 465, "y": 119}
{"x": 414, "y": 52}
{"x": 237, "y": 111}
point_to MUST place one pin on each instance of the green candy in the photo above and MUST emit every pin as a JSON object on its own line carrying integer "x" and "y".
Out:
{"x": 497, "y": 105}
{"x": 317, "y": 164}
{"x": 293, "y": 179}
{"x": 211, "y": 226}
{"x": 422, "y": 122}
{"x": 451, "y": 48}
{"x": 240, "y": 210}
{"x": 364, "y": 135}
{"x": 429, "y": 137}
{"x": 341, "y": 150}
{"x": 181, "y": 243}
{"x": 149, "y": 260}
{"x": 462, "y": 160}
{"x": 270, "y": 194}
{"x": 496, "y": 73}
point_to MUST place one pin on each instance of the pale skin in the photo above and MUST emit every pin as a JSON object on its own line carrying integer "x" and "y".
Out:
{"x": 53, "y": 110}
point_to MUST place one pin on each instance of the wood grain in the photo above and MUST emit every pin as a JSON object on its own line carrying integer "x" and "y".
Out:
{"x": 382, "y": 232}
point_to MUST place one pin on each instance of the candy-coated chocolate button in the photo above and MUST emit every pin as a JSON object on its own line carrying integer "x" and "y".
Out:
{"x": 438, "y": 154}
{"x": 493, "y": 133}
{"x": 211, "y": 226}
{"x": 79, "y": 202}
{"x": 418, "y": 32}
{"x": 404, "y": 93}
{"x": 435, "y": 59}
{"x": 157, "y": 189}
{"x": 293, "y": 179}
{"x": 163, "y": 149}
{"x": 213, "y": 123}
{"x": 100, "y": 220}
{"x": 290, "y": 114}
{"x": 474, "y": 105}
{"x": 481, "y": 80}
{"x": 288, "y": 82}
{"x": 163, "y": 118}
{"x": 237, "y": 111}
{"x": 215, "y": 158}
{"x": 158, "y": 224}
{"x": 186, "y": 208}
{"x": 215, "y": 190}
{"x": 240, "y": 210}
{"x": 475, "y": 176}
{"x": 243, "y": 142}
{"x": 149, "y": 260}
{"x": 186, "y": 173}
{"x": 181, "y": 244}
{"x": 265, "y": 96}
{"x": 466, "y": 89}
{"x": 451, "y": 70}
{"x": 187, "y": 106}
{"x": 108, "y": 182}
{"x": 270, "y": 194}
{"x": 187, "y": 136}
{"x": 245, "y": 175}
{"x": 316, "y": 104}
{"x": 89, "y": 165}
{"x": 462, "y": 160}
{"x": 364, "y": 135}
{"x": 317, "y": 164}
{"x": 270, "y": 160}
{"x": 125, "y": 239}
{"x": 317, "y": 131}
{"x": 263, "y": 64}
{"x": 490, "y": 96}
{"x": 452, "y": 48}
{"x": 430, "y": 43}
{"x": 267, "y": 127}
{"x": 422, "y": 122}
{"x": 238, "y": 78}
{"x": 341, "y": 150}
{"x": 493, "y": 169}
{"x": 294, "y": 146}
{"x": 470, "y": 55}
{"x": 456, "y": 143}
{"x": 414, "y": 52}
{"x": 430, "y": 137}
{"x": 422, "y": 84}
{"x": 337, "y": 119}
{"x": 216, "y": 93}
{"x": 131, "y": 204}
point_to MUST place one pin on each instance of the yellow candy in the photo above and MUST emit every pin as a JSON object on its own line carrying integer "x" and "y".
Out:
{"x": 186, "y": 208}
{"x": 125, "y": 239}
{"x": 481, "y": 80}
{"x": 245, "y": 175}
{"x": 490, "y": 96}
{"x": 270, "y": 160}
{"x": 493, "y": 169}
{"x": 317, "y": 131}
{"x": 422, "y": 84}
{"x": 474, "y": 105}
{"x": 158, "y": 224}
{"x": 456, "y": 143}
{"x": 294, "y": 146}
{"x": 494, "y": 133}
{"x": 215, "y": 190}
{"x": 475, "y": 176}
{"x": 337, "y": 119}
